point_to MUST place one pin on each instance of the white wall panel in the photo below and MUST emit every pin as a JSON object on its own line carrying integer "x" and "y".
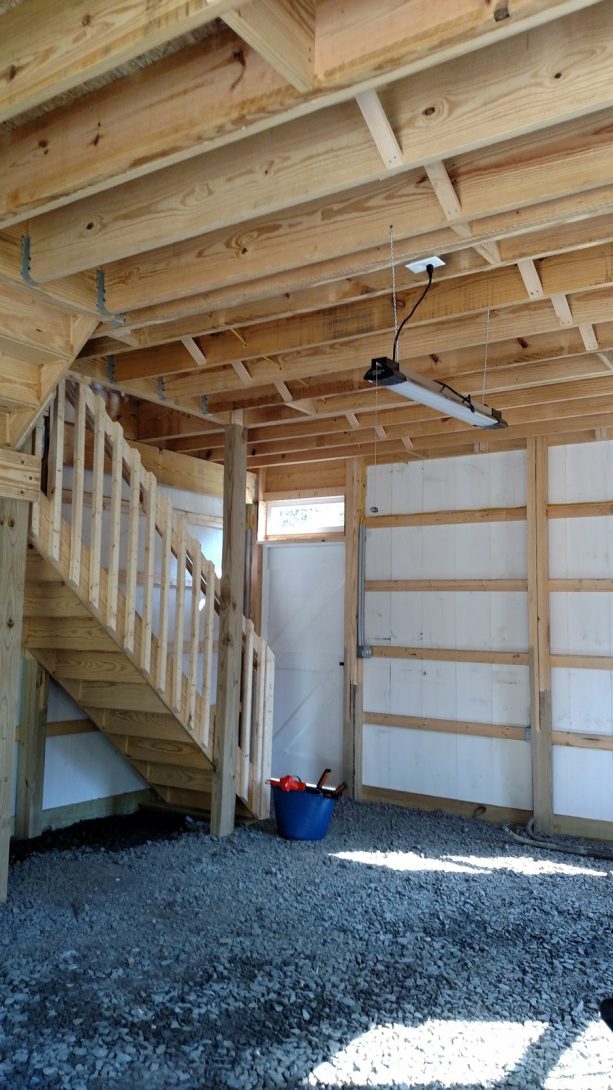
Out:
{"x": 583, "y": 783}
{"x": 581, "y": 472}
{"x": 79, "y": 767}
{"x": 581, "y": 548}
{"x": 479, "y": 692}
{"x": 494, "y": 480}
{"x": 471, "y": 768}
{"x": 483, "y": 620}
{"x": 581, "y": 623}
{"x": 493, "y": 550}
{"x": 582, "y": 700}
{"x": 480, "y": 770}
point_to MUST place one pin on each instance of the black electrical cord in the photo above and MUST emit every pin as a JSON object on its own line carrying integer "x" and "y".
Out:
{"x": 429, "y": 270}
{"x": 531, "y": 839}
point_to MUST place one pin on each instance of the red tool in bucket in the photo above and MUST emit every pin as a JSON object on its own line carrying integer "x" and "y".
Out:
{"x": 303, "y": 810}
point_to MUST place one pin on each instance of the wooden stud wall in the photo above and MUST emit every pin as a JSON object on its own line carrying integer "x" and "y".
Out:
{"x": 539, "y": 585}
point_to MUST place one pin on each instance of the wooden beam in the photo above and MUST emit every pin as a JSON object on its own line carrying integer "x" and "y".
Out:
{"x": 538, "y": 622}
{"x": 31, "y": 753}
{"x": 560, "y": 305}
{"x": 13, "y": 543}
{"x": 201, "y": 97}
{"x": 380, "y": 129}
{"x": 19, "y": 476}
{"x": 283, "y": 33}
{"x": 446, "y": 726}
{"x": 447, "y": 518}
{"x": 353, "y": 668}
{"x": 498, "y": 815}
{"x": 450, "y": 654}
{"x": 227, "y": 715}
{"x": 351, "y": 36}
{"x": 166, "y": 208}
{"x": 472, "y": 586}
{"x": 183, "y": 472}
{"x": 531, "y": 278}
{"x": 195, "y": 352}
{"x": 46, "y": 50}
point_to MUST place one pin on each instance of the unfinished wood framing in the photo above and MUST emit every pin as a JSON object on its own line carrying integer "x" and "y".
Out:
{"x": 13, "y": 539}
{"x": 248, "y": 306}
{"x": 33, "y": 734}
{"x": 538, "y": 619}
{"x": 353, "y": 671}
{"x": 230, "y": 633}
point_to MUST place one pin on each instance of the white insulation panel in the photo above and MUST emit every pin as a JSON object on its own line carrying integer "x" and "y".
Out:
{"x": 480, "y": 770}
{"x": 448, "y": 484}
{"x": 472, "y": 768}
{"x": 468, "y": 691}
{"x": 581, "y": 623}
{"x": 481, "y": 550}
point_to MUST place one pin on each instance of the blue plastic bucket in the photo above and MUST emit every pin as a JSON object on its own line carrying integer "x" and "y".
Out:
{"x": 302, "y": 815}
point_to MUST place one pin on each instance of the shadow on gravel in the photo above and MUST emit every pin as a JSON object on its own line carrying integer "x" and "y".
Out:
{"x": 406, "y": 950}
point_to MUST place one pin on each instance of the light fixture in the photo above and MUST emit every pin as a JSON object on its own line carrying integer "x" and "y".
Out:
{"x": 385, "y": 372}
{"x": 437, "y": 395}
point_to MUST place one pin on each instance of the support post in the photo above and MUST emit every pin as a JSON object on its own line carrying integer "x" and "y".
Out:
{"x": 538, "y": 622}
{"x": 13, "y": 544}
{"x": 353, "y": 669}
{"x": 31, "y": 750}
{"x": 227, "y": 713}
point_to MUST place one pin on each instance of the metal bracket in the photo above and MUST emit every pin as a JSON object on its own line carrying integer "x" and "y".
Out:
{"x": 160, "y": 388}
{"x": 115, "y": 319}
{"x": 527, "y": 733}
{"x": 364, "y": 651}
{"x": 204, "y": 405}
{"x": 110, "y": 368}
{"x": 25, "y": 261}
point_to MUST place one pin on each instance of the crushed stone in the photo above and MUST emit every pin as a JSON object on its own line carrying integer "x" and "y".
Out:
{"x": 406, "y": 949}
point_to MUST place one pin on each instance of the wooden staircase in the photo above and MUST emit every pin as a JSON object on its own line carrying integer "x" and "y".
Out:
{"x": 143, "y": 675}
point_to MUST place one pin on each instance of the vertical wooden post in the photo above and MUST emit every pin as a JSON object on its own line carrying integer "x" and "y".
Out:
{"x": 13, "y": 542}
{"x": 353, "y": 671}
{"x": 230, "y": 631}
{"x": 538, "y": 622}
{"x": 31, "y": 759}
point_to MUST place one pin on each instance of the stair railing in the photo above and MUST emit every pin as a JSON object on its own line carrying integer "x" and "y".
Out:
{"x": 158, "y": 582}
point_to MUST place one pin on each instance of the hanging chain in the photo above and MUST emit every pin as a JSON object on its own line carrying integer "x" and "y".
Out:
{"x": 487, "y": 338}
{"x": 394, "y": 298}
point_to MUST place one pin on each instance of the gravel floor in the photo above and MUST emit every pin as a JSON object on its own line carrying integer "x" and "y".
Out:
{"x": 404, "y": 950}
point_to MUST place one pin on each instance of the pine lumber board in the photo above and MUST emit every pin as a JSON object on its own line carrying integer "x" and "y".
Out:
{"x": 449, "y": 654}
{"x": 471, "y": 586}
{"x": 13, "y": 545}
{"x": 103, "y": 666}
{"x": 497, "y": 815}
{"x": 140, "y": 724}
{"x": 81, "y": 633}
{"x": 19, "y": 476}
{"x": 170, "y": 775}
{"x": 445, "y": 726}
{"x": 115, "y": 695}
{"x": 341, "y": 155}
{"x": 230, "y": 633}
{"x": 49, "y": 49}
{"x": 447, "y": 518}
{"x": 165, "y": 751}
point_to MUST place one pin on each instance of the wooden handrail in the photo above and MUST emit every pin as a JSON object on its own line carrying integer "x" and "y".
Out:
{"x": 155, "y": 613}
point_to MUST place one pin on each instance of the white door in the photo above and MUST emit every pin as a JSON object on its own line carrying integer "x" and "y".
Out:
{"x": 304, "y": 607}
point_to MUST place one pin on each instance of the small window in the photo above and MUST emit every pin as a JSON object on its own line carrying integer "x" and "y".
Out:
{"x": 305, "y": 518}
